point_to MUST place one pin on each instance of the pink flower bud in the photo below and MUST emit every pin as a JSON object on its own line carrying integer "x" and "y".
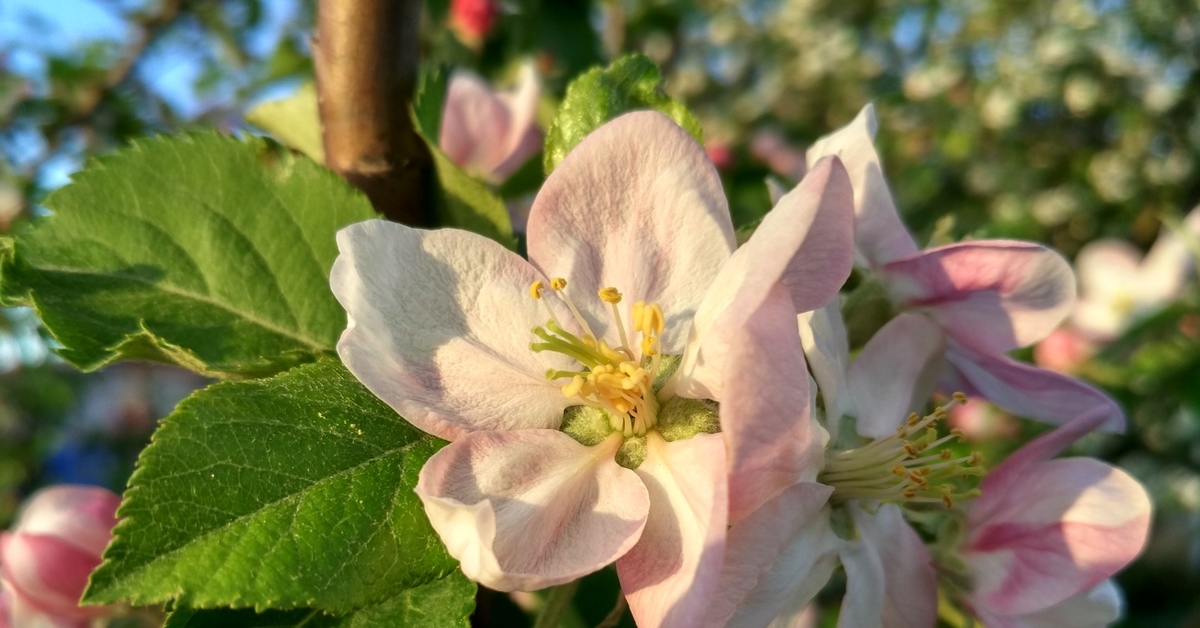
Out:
{"x": 472, "y": 20}
{"x": 45, "y": 560}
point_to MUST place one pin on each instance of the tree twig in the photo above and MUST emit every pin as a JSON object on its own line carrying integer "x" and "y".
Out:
{"x": 365, "y": 55}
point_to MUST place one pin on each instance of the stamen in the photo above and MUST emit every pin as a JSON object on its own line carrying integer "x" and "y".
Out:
{"x": 560, "y": 285}
{"x": 612, "y": 297}
{"x": 894, "y": 468}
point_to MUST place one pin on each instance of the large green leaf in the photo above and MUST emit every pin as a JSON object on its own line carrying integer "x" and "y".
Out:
{"x": 289, "y": 492}
{"x": 294, "y": 120}
{"x": 446, "y": 603}
{"x": 202, "y": 250}
{"x": 601, "y": 94}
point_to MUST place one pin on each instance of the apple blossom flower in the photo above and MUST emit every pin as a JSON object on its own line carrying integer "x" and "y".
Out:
{"x": 1118, "y": 285}
{"x": 487, "y": 133}
{"x": 596, "y": 441}
{"x": 45, "y": 561}
{"x": 987, "y": 297}
{"x": 1041, "y": 552}
{"x": 779, "y": 556}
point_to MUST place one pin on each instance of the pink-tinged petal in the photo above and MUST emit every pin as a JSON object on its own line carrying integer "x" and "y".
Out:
{"x": 1100, "y": 606}
{"x": 805, "y": 243}
{"x": 772, "y": 438}
{"x": 910, "y": 586}
{"x": 47, "y": 573}
{"x": 83, "y": 516}
{"x": 1026, "y": 390}
{"x": 523, "y": 140}
{"x": 637, "y": 206}
{"x": 530, "y": 509}
{"x": 670, "y": 576}
{"x": 880, "y": 235}
{"x": 895, "y": 373}
{"x": 1080, "y": 522}
{"x": 776, "y": 559}
{"x": 772, "y": 148}
{"x": 22, "y": 614}
{"x": 439, "y": 329}
{"x": 995, "y": 295}
{"x": 823, "y": 334}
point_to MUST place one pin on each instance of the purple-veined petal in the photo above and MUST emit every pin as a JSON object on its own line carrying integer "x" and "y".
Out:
{"x": 909, "y": 586}
{"x": 1070, "y": 525}
{"x": 766, "y": 416}
{"x": 995, "y": 295}
{"x": 895, "y": 373}
{"x": 439, "y": 329}
{"x": 529, "y": 509}
{"x": 1026, "y": 390}
{"x": 805, "y": 243}
{"x": 878, "y": 232}
{"x": 637, "y": 206}
{"x": 1100, "y": 606}
{"x": 776, "y": 559}
{"x": 670, "y": 576}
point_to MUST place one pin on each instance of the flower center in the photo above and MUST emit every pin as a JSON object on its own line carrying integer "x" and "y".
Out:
{"x": 908, "y": 466}
{"x": 611, "y": 378}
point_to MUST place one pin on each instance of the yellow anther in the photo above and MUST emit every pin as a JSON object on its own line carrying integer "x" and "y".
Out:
{"x": 610, "y": 295}
{"x": 975, "y": 458}
{"x": 939, "y": 413}
{"x": 949, "y": 501}
{"x": 957, "y": 433}
{"x": 652, "y": 319}
{"x": 946, "y": 454}
{"x": 913, "y": 419}
{"x": 902, "y": 431}
{"x": 909, "y": 492}
{"x": 558, "y": 283}
{"x": 918, "y": 479}
{"x": 899, "y": 470}
{"x": 910, "y": 449}
{"x": 536, "y": 288}
{"x": 571, "y": 389}
{"x": 960, "y": 397}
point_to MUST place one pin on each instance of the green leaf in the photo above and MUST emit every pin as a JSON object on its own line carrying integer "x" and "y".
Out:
{"x": 448, "y": 602}
{"x": 430, "y": 99}
{"x": 601, "y": 94}
{"x": 294, "y": 120}
{"x": 289, "y": 492}
{"x": 463, "y": 201}
{"x": 202, "y": 250}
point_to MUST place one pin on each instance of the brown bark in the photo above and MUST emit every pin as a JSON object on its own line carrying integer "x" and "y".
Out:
{"x": 366, "y": 55}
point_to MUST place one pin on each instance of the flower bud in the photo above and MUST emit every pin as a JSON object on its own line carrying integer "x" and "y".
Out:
{"x": 46, "y": 558}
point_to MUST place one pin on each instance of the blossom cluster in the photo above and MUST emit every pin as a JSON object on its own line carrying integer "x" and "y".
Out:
{"x": 641, "y": 390}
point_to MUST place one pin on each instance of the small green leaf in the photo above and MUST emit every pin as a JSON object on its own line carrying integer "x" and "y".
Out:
{"x": 202, "y": 250}
{"x": 468, "y": 204}
{"x": 294, "y": 120}
{"x": 430, "y": 99}
{"x": 447, "y": 603}
{"x": 601, "y": 94}
{"x": 289, "y": 492}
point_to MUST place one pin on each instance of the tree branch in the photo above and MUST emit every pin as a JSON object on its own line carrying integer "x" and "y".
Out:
{"x": 365, "y": 55}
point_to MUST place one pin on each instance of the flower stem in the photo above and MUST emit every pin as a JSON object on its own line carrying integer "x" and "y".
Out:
{"x": 558, "y": 602}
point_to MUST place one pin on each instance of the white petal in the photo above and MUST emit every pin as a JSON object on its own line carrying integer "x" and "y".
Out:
{"x": 439, "y": 329}
{"x": 637, "y": 206}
